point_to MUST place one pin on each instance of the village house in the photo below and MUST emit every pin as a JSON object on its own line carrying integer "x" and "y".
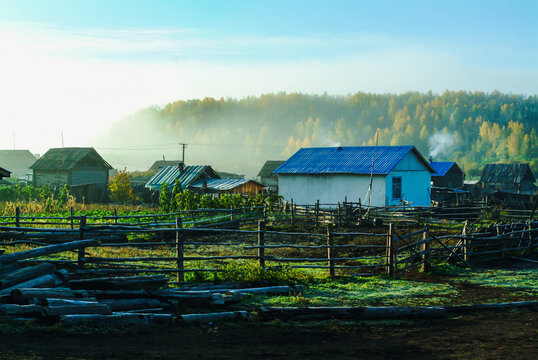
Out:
{"x": 4, "y": 173}
{"x": 229, "y": 186}
{"x": 18, "y": 162}
{"x": 447, "y": 174}
{"x": 399, "y": 174}
{"x": 83, "y": 170}
{"x": 187, "y": 176}
{"x": 266, "y": 175}
{"x": 159, "y": 164}
{"x": 512, "y": 178}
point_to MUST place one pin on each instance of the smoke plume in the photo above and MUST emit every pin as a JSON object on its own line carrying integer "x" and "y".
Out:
{"x": 441, "y": 143}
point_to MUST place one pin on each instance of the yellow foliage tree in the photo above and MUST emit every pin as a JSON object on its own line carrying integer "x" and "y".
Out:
{"x": 120, "y": 187}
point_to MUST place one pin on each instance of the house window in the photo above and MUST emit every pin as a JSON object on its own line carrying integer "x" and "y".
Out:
{"x": 397, "y": 187}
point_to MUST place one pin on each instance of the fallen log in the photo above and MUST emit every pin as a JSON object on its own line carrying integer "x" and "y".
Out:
{"x": 24, "y": 274}
{"x": 24, "y": 294}
{"x": 270, "y": 290}
{"x": 46, "y": 250}
{"x": 118, "y": 318}
{"x": 212, "y": 317}
{"x": 5, "y": 269}
{"x": 12, "y": 309}
{"x": 120, "y": 294}
{"x": 352, "y": 313}
{"x": 44, "y": 281}
{"x": 486, "y": 307}
{"x": 152, "y": 282}
{"x": 93, "y": 308}
{"x": 133, "y": 304}
{"x": 51, "y": 302}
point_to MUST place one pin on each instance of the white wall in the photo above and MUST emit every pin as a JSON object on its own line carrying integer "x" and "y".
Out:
{"x": 331, "y": 188}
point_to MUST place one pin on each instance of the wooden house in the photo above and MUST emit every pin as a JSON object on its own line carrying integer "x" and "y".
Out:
{"x": 187, "y": 175}
{"x": 4, "y": 173}
{"x": 18, "y": 162}
{"x": 229, "y": 186}
{"x": 447, "y": 175}
{"x": 159, "y": 164}
{"x": 398, "y": 174}
{"x": 83, "y": 170}
{"x": 266, "y": 175}
{"x": 512, "y": 178}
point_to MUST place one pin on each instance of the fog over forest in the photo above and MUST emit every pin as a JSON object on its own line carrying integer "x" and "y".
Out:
{"x": 239, "y": 135}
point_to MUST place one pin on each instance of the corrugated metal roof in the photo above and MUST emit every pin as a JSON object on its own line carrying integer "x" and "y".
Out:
{"x": 169, "y": 174}
{"x": 68, "y": 158}
{"x": 222, "y": 184}
{"x": 441, "y": 167}
{"x": 347, "y": 160}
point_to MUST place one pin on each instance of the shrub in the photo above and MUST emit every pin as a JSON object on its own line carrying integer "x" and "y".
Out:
{"x": 120, "y": 187}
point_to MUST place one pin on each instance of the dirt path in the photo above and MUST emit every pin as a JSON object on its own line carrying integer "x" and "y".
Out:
{"x": 488, "y": 336}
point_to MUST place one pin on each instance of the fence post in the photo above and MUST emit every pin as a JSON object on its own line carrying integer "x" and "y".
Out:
{"x": 391, "y": 271}
{"x": 531, "y": 240}
{"x": 261, "y": 238}
{"x": 502, "y": 241}
{"x": 292, "y": 214}
{"x": 466, "y": 242}
{"x": 426, "y": 265}
{"x": 330, "y": 252}
{"x": 179, "y": 250}
{"x": 71, "y": 218}
{"x": 264, "y": 212}
{"x": 339, "y": 216}
{"x": 316, "y": 212}
{"x": 345, "y": 212}
{"x": 360, "y": 210}
{"x": 115, "y": 216}
{"x": 17, "y": 217}
{"x": 80, "y": 257}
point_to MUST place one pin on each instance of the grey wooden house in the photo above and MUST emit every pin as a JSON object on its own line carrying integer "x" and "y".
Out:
{"x": 266, "y": 176}
{"x": 83, "y": 170}
{"x": 4, "y": 173}
{"x": 512, "y": 178}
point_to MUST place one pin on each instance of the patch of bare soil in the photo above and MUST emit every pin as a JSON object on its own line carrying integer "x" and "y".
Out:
{"x": 495, "y": 335}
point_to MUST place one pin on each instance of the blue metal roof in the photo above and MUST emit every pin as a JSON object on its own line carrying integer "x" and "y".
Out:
{"x": 221, "y": 184}
{"x": 169, "y": 174}
{"x": 441, "y": 167}
{"x": 347, "y": 160}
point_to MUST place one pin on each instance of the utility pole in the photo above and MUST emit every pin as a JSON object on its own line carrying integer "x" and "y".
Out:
{"x": 62, "y": 139}
{"x": 183, "y": 146}
{"x": 14, "y": 148}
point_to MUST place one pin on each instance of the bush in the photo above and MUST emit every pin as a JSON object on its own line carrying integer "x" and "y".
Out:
{"x": 120, "y": 187}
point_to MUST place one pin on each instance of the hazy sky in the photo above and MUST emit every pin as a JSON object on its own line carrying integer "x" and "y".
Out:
{"x": 78, "y": 66}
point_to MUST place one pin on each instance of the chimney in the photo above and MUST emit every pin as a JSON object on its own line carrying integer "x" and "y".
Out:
{"x": 180, "y": 167}
{"x": 431, "y": 159}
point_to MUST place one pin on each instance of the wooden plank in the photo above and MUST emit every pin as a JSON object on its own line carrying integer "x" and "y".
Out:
{"x": 46, "y": 250}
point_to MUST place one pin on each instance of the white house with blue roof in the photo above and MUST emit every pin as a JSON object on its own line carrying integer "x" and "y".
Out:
{"x": 332, "y": 174}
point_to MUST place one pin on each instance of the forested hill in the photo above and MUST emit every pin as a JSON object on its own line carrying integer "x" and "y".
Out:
{"x": 239, "y": 135}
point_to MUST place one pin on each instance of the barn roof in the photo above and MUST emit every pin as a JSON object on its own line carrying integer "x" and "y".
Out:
{"x": 159, "y": 164}
{"x": 68, "y": 158}
{"x": 16, "y": 157}
{"x": 270, "y": 166}
{"x": 348, "y": 160}
{"x": 222, "y": 184}
{"x": 507, "y": 173}
{"x": 442, "y": 167}
{"x": 4, "y": 173}
{"x": 191, "y": 174}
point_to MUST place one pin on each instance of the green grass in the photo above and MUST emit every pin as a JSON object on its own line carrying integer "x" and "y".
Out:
{"x": 509, "y": 279}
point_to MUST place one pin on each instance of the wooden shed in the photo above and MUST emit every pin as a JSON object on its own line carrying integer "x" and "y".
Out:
{"x": 4, "y": 173}
{"x": 447, "y": 174}
{"x": 17, "y": 161}
{"x": 266, "y": 176}
{"x": 229, "y": 186}
{"x": 515, "y": 178}
{"x": 83, "y": 170}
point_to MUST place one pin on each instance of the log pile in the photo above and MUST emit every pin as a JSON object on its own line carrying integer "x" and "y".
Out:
{"x": 45, "y": 294}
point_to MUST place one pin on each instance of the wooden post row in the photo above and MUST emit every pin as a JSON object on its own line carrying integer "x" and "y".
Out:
{"x": 261, "y": 236}
{"x": 466, "y": 242}
{"x": 426, "y": 265}
{"x": 81, "y": 250}
{"x": 330, "y": 252}
{"x": 292, "y": 214}
{"x": 72, "y": 217}
{"x": 316, "y": 213}
{"x": 17, "y": 217}
{"x": 391, "y": 248}
{"x": 179, "y": 250}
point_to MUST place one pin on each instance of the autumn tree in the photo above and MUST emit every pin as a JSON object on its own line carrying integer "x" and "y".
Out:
{"x": 120, "y": 187}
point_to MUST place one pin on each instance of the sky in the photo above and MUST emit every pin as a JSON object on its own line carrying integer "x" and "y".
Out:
{"x": 76, "y": 67}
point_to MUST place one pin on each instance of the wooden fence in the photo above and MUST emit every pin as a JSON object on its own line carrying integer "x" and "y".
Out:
{"x": 392, "y": 250}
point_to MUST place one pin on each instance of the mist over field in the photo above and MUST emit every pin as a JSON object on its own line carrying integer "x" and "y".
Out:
{"x": 239, "y": 135}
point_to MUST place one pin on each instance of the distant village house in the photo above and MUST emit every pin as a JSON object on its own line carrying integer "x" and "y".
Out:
{"x": 4, "y": 173}
{"x": 18, "y": 162}
{"x": 83, "y": 170}
{"x": 266, "y": 175}
{"x": 399, "y": 174}
{"x": 447, "y": 174}
{"x": 514, "y": 178}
